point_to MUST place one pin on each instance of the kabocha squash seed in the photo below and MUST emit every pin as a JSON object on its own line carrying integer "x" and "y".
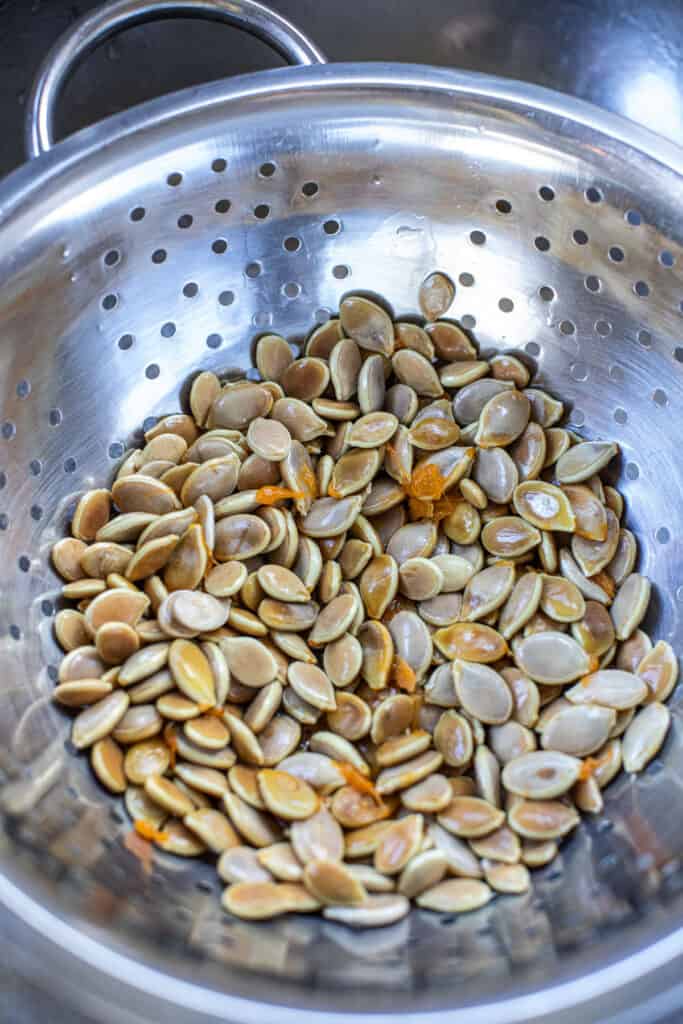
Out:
{"x": 370, "y": 634}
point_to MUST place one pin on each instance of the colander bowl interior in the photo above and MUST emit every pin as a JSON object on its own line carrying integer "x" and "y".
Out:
{"x": 167, "y": 240}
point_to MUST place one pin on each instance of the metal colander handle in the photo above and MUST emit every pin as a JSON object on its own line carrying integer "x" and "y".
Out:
{"x": 99, "y": 25}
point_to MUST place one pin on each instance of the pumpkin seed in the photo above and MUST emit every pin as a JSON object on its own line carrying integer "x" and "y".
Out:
{"x": 376, "y": 911}
{"x": 496, "y": 474}
{"x": 487, "y": 591}
{"x": 470, "y": 641}
{"x": 542, "y": 819}
{"x": 584, "y": 460}
{"x": 482, "y": 692}
{"x": 367, "y": 323}
{"x": 551, "y": 657}
{"x": 578, "y": 730}
{"x": 541, "y": 774}
{"x": 456, "y": 895}
{"x": 612, "y": 688}
{"x": 645, "y": 736}
{"x": 630, "y": 605}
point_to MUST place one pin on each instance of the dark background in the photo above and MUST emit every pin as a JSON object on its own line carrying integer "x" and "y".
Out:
{"x": 625, "y": 55}
{"x": 622, "y": 54}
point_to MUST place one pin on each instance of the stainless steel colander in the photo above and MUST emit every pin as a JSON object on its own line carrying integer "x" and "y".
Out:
{"x": 167, "y": 239}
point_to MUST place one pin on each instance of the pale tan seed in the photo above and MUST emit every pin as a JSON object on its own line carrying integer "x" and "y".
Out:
{"x": 420, "y": 578}
{"x": 255, "y": 901}
{"x": 378, "y": 911}
{"x": 81, "y": 663}
{"x": 538, "y": 853}
{"x": 456, "y": 895}
{"x": 279, "y": 739}
{"x": 207, "y": 731}
{"x": 402, "y": 748}
{"x": 99, "y": 719}
{"x": 258, "y": 828}
{"x": 511, "y": 740}
{"x": 168, "y": 796}
{"x": 281, "y": 862}
{"x": 241, "y": 536}
{"x": 66, "y": 557}
{"x": 352, "y": 718}
{"x": 473, "y": 642}
{"x": 503, "y": 418}
{"x": 367, "y": 323}
{"x": 584, "y": 460}
{"x": 332, "y": 883}
{"x": 659, "y": 671}
{"x": 402, "y": 776}
{"x": 144, "y": 663}
{"x": 287, "y": 796}
{"x": 106, "y": 758}
{"x": 430, "y": 796}
{"x": 312, "y": 685}
{"x": 544, "y": 409}
{"x": 645, "y": 736}
{"x": 529, "y": 452}
{"x": 509, "y": 536}
{"x": 212, "y": 828}
{"x": 141, "y": 808}
{"x": 470, "y": 817}
{"x": 83, "y": 591}
{"x": 542, "y": 819}
{"x": 273, "y": 356}
{"x": 139, "y": 723}
{"x": 141, "y": 493}
{"x": 551, "y": 657}
{"x": 378, "y": 585}
{"x": 104, "y": 557}
{"x": 496, "y": 474}
{"x": 578, "y": 730}
{"x": 116, "y": 606}
{"x": 192, "y": 673}
{"x": 92, "y": 513}
{"x": 487, "y": 590}
{"x": 502, "y": 845}
{"x": 612, "y": 688}
{"x": 317, "y": 838}
{"x": 508, "y": 878}
{"x": 226, "y": 580}
{"x": 453, "y": 739}
{"x": 249, "y": 660}
{"x": 541, "y": 775}
{"x": 544, "y": 505}
{"x": 482, "y": 692}
{"x": 630, "y": 605}
{"x": 241, "y": 864}
{"x": 150, "y": 757}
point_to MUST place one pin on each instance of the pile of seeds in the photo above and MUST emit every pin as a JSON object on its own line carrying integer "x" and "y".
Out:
{"x": 366, "y": 629}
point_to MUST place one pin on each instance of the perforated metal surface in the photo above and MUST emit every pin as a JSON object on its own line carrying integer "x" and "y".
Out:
{"x": 255, "y": 206}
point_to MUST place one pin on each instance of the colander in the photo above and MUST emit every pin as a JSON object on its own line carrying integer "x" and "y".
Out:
{"x": 165, "y": 240}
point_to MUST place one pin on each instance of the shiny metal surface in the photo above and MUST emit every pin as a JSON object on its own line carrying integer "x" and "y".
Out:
{"x": 107, "y": 21}
{"x": 99, "y": 329}
{"x": 625, "y": 56}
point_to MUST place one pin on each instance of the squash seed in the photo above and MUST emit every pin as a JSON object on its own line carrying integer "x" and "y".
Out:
{"x": 508, "y": 878}
{"x": 630, "y": 605}
{"x": 456, "y": 895}
{"x": 541, "y": 774}
{"x": 612, "y": 688}
{"x": 645, "y": 736}
{"x": 551, "y": 657}
{"x": 470, "y": 817}
{"x": 106, "y": 758}
{"x": 542, "y": 819}
{"x": 578, "y": 730}
{"x": 377, "y": 911}
{"x": 584, "y": 460}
